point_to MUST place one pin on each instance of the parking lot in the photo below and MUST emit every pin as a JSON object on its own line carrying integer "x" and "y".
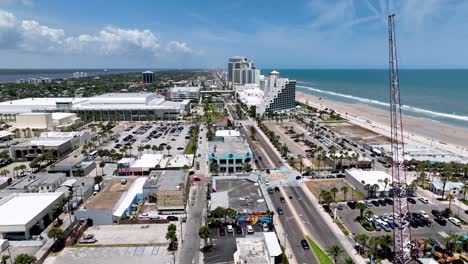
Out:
{"x": 224, "y": 246}
{"x": 175, "y": 135}
{"x": 434, "y": 230}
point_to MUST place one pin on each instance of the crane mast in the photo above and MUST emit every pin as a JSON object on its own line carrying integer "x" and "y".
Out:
{"x": 401, "y": 236}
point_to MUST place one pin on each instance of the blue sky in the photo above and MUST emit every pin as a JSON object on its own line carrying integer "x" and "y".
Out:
{"x": 203, "y": 34}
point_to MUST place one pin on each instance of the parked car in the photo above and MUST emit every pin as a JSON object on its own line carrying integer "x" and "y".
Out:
{"x": 389, "y": 201}
{"x": 352, "y": 204}
{"x": 411, "y": 200}
{"x": 436, "y": 213}
{"x": 440, "y": 220}
{"x": 238, "y": 229}
{"x": 382, "y": 202}
{"x": 375, "y": 203}
{"x": 265, "y": 227}
{"x": 304, "y": 244}
{"x": 368, "y": 203}
{"x": 424, "y": 214}
{"x": 250, "y": 229}
{"x": 376, "y": 226}
{"x": 222, "y": 232}
{"x": 172, "y": 218}
{"x": 423, "y": 200}
{"x": 340, "y": 207}
{"x": 454, "y": 221}
{"x": 230, "y": 229}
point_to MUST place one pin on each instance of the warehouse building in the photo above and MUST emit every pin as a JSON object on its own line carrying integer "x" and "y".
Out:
{"x": 27, "y": 214}
{"x": 32, "y": 124}
{"x": 114, "y": 203}
{"x": 38, "y": 182}
{"x": 70, "y": 166}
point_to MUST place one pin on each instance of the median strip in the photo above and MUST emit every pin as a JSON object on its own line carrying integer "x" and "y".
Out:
{"x": 318, "y": 252}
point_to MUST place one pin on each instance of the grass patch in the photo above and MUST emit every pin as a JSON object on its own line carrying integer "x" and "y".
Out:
{"x": 284, "y": 258}
{"x": 316, "y": 186}
{"x": 319, "y": 253}
{"x": 342, "y": 227}
{"x": 192, "y": 145}
{"x": 366, "y": 225}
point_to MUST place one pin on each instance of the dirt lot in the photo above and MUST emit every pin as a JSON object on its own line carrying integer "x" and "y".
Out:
{"x": 358, "y": 134}
{"x": 146, "y": 235}
{"x": 315, "y": 186}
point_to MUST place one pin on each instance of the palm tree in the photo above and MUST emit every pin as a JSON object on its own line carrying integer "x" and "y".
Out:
{"x": 348, "y": 260}
{"x": 361, "y": 206}
{"x": 386, "y": 243}
{"x": 333, "y": 191}
{"x": 464, "y": 188}
{"x": 335, "y": 251}
{"x": 368, "y": 188}
{"x": 204, "y": 233}
{"x": 450, "y": 199}
{"x": 24, "y": 258}
{"x": 154, "y": 148}
{"x": 168, "y": 148}
{"x": 362, "y": 240}
{"x": 345, "y": 190}
{"x": 375, "y": 242}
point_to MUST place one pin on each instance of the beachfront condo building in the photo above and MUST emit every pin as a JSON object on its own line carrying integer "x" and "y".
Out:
{"x": 148, "y": 77}
{"x": 242, "y": 71}
{"x": 274, "y": 94}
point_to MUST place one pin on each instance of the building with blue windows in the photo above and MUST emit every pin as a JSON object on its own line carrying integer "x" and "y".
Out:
{"x": 231, "y": 152}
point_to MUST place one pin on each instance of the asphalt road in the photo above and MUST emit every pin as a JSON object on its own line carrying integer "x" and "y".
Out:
{"x": 259, "y": 154}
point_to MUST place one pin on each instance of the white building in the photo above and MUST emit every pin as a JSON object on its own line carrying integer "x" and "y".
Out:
{"x": 241, "y": 71}
{"x": 24, "y": 214}
{"x": 31, "y": 124}
{"x": 360, "y": 178}
{"x": 106, "y": 107}
{"x": 78, "y": 75}
{"x": 453, "y": 188}
{"x": 258, "y": 249}
{"x": 274, "y": 94}
{"x": 185, "y": 93}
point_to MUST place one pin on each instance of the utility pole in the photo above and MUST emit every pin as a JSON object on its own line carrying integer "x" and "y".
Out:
{"x": 401, "y": 237}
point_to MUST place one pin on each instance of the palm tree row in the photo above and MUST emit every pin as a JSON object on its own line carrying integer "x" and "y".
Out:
{"x": 377, "y": 246}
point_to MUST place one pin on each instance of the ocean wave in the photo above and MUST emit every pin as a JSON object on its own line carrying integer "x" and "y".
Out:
{"x": 376, "y": 102}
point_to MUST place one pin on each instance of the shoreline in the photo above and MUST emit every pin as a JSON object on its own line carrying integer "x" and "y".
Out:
{"x": 418, "y": 130}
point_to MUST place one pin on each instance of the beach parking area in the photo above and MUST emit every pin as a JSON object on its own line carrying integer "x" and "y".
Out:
{"x": 357, "y": 134}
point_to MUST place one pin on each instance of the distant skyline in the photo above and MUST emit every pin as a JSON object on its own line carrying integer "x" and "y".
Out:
{"x": 204, "y": 34}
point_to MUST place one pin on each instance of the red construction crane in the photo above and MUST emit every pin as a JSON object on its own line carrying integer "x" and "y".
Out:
{"x": 401, "y": 236}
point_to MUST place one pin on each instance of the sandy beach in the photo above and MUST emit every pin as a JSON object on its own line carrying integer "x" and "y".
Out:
{"x": 442, "y": 136}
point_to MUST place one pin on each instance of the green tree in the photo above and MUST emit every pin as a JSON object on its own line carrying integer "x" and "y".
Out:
{"x": 204, "y": 233}
{"x": 172, "y": 227}
{"x": 219, "y": 212}
{"x": 334, "y": 251}
{"x": 102, "y": 164}
{"x": 247, "y": 167}
{"x": 231, "y": 213}
{"x": 327, "y": 198}
{"x": 362, "y": 240}
{"x": 214, "y": 168}
{"x": 25, "y": 259}
{"x": 348, "y": 260}
{"x": 55, "y": 233}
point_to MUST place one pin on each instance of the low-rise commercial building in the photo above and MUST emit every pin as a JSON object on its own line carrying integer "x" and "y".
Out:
{"x": 261, "y": 248}
{"x": 38, "y": 182}
{"x": 452, "y": 188}
{"x": 185, "y": 93}
{"x": 60, "y": 143}
{"x": 360, "y": 178}
{"x": 169, "y": 188}
{"x": 26, "y": 214}
{"x": 73, "y": 166}
{"x": 230, "y": 154}
{"x": 243, "y": 195}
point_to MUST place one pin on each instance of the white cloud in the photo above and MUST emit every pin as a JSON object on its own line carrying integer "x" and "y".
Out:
{"x": 31, "y": 36}
{"x": 176, "y": 46}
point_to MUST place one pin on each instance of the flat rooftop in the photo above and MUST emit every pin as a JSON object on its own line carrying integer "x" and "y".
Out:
{"x": 108, "y": 198}
{"x": 21, "y": 208}
{"x": 36, "y": 180}
{"x": 168, "y": 180}
{"x": 236, "y": 145}
{"x": 370, "y": 177}
{"x": 243, "y": 195}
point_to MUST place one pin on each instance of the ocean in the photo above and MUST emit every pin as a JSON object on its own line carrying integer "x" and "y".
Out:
{"x": 439, "y": 95}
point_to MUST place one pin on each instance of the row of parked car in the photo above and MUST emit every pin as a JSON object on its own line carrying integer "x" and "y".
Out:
{"x": 385, "y": 201}
{"x": 238, "y": 229}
